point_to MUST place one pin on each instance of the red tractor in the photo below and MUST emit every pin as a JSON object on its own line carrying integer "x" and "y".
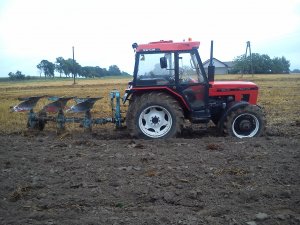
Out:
{"x": 170, "y": 85}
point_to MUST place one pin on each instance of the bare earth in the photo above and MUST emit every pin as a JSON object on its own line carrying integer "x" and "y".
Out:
{"x": 107, "y": 178}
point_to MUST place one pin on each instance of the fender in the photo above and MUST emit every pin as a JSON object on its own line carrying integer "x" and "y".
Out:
{"x": 232, "y": 106}
{"x": 181, "y": 100}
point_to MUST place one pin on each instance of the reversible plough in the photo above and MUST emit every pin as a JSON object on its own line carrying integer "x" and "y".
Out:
{"x": 57, "y": 111}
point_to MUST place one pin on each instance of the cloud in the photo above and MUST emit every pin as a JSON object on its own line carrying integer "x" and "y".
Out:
{"x": 103, "y": 31}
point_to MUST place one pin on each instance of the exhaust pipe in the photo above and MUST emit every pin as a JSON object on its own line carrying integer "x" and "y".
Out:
{"x": 211, "y": 67}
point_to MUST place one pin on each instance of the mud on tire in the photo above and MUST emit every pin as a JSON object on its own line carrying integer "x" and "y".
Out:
{"x": 246, "y": 121}
{"x": 154, "y": 115}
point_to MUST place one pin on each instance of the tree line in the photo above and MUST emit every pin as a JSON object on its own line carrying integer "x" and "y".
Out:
{"x": 261, "y": 64}
{"x": 17, "y": 76}
{"x": 69, "y": 67}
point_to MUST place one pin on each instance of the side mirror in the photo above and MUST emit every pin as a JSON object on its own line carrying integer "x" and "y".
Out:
{"x": 163, "y": 62}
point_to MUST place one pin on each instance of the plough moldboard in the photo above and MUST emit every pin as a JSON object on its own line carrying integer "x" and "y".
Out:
{"x": 56, "y": 111}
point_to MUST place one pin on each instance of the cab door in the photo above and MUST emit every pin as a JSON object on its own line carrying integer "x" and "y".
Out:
{"x": 192, "y": 81}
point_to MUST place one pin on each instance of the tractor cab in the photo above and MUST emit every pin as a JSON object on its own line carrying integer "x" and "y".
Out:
{"x": 174, "y": 68}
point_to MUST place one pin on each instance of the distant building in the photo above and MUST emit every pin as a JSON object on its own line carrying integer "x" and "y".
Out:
{"x": 220, "y": 67}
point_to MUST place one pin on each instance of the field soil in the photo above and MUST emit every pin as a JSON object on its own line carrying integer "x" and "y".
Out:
{"x": 108, "y": 178}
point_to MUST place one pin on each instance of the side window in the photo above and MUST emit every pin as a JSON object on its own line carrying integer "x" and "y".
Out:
{"x": 156, "y": 69}
{"x": 189, "y": 71}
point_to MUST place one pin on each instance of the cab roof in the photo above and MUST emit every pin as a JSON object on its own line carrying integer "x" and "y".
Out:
{"x": 168, "y": 46}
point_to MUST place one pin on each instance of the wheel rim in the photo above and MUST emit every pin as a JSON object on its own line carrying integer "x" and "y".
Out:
{"x": 155, "y": 121}
{"x": 245, "y": 125}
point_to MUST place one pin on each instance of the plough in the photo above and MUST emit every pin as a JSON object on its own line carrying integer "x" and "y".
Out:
{"x": 38, "y": 119}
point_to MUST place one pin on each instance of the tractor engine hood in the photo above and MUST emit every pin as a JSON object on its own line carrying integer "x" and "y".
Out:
{"x": 229, "y": 86}
{"x": 240, "y": 90}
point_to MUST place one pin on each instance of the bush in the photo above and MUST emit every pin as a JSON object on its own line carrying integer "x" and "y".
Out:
{"x": 261, "y": 64}
{"x": 16, "y": 76}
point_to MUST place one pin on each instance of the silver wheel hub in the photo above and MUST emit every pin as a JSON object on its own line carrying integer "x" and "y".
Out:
{"x": 155, "y": 121}
{"x": 245, "y": 125}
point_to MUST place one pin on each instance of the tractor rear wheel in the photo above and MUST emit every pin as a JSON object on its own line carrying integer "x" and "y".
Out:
{"x": 246, "y": 121}
{"x": 154, "y": 115}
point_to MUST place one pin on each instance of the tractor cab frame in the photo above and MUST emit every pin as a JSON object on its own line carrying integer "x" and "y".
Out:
{"x": 176, "y": 70}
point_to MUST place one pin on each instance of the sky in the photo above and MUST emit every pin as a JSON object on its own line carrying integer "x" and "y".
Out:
{"x": 102, "y": 32}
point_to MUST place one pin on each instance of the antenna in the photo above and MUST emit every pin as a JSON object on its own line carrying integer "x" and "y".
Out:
{"x": 245, "y": 59}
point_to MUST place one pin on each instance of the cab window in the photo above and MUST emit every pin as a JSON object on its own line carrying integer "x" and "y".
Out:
{"x": 156, "y": 69}
{"x": 189, "y": 70}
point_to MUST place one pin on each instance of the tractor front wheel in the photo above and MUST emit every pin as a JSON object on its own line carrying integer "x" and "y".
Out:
{"x": 246, "y": 121}
{"x": 154, "y": 115}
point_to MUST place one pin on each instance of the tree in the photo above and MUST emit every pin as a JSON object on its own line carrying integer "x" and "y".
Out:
{"x": 114, "y": 70}
{"x": 296, "y": 71}
{"x": 11, "y": 75}
{"x": 286, "y": 65}
{"x": 85, "y": 71}
{"x": 16, "y": 76}
{"x": 262, "y": 64}
{"x": 68, "y": 66}
{"x": 39, "y": 66}
{"x": 280, "y": 65}
{"x": 125, "y": 73}
{"x": 101, "y": 72}
{"x": 59, "y": 65}
{"x": 91, "y": 72}
{"x": 47, "y": 68}
{"x": 72, "y": 67}
{"x": 20, "y": 75}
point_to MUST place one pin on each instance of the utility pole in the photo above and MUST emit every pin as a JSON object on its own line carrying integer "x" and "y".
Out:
{"x": 73, "y": 66}
{"x": 245, "y": 58}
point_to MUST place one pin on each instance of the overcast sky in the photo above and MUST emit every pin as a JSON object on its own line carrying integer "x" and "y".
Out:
{"x": 103, "y": 31}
